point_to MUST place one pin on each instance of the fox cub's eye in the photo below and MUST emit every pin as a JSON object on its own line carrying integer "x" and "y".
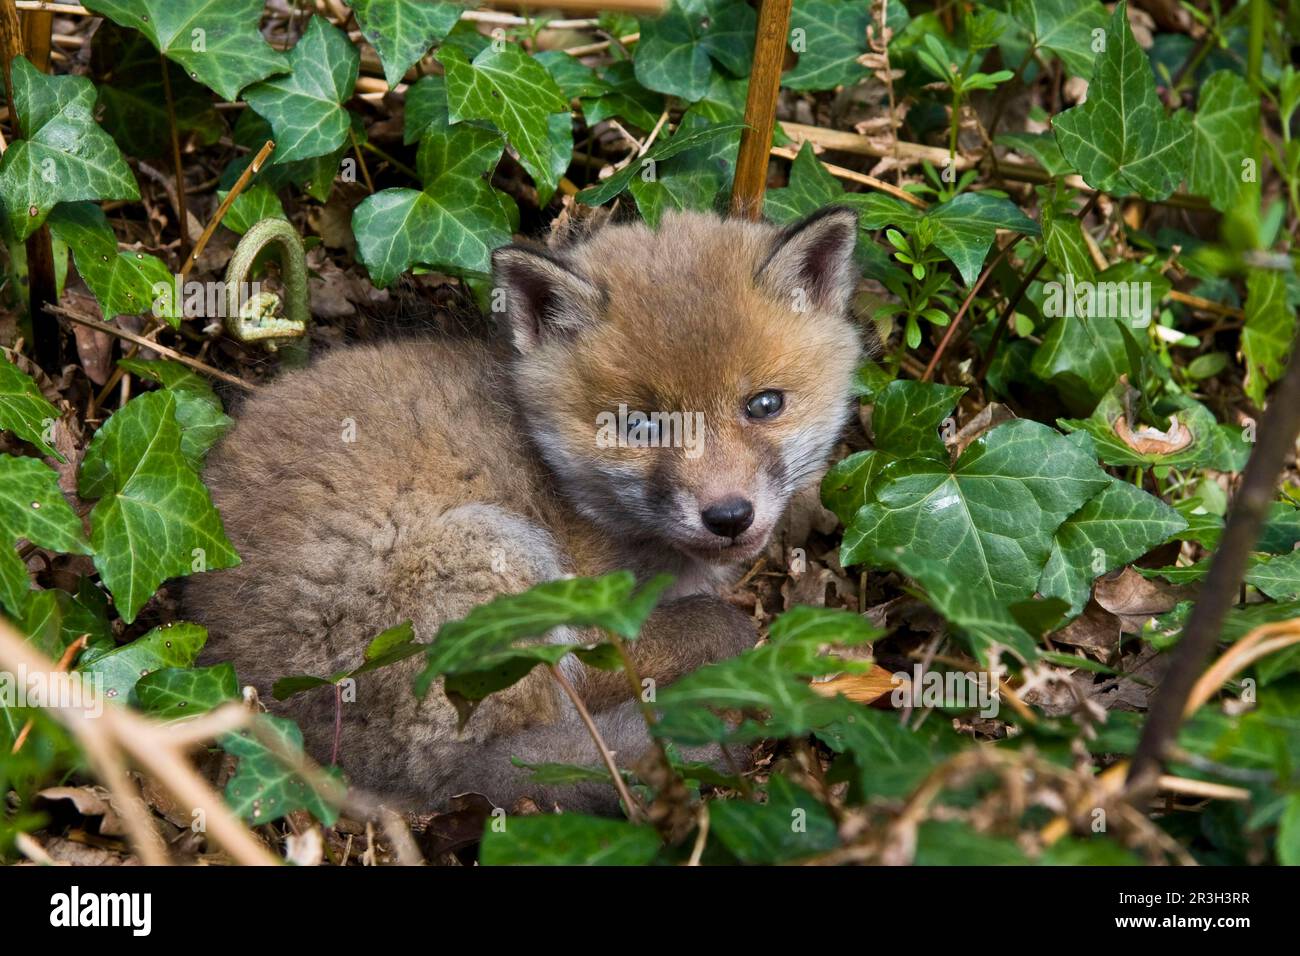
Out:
{"x": 764, "y": 404}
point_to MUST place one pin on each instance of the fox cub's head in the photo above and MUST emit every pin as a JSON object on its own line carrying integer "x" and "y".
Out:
{"x": 683, "y": 382}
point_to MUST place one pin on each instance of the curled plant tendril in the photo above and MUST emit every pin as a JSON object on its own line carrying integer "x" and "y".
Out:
{"x": 255, "y": 319}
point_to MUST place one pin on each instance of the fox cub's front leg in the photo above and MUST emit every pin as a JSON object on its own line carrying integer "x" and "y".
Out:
{"x": 677, "y": 638}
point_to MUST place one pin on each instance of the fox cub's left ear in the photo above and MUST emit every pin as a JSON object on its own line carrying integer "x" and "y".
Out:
{"x": 543, "y": 296}
{"x": 811, "y": 261}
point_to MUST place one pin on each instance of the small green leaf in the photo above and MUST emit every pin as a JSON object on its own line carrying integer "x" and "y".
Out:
{"x": 1064, "y": 27}
{"x": 792, "y": 825}
{"x": 1267, "y": 334}
{"x": 33, "y": 508}
{"x": 198, "y": 410}
{"x": 1224, "y": 133}
{"x": 454, "y": 222}
{"x": 664, "y": 149}
{"x": 963, "y": 228}
{"x": 23, "y": 409}
{"x": 123, "y": 283}
{"x": 1120, "y": 140}
{"x": 171, "y": 693}
{"x": 676, "y": 51}
{"x": 154, "y": 519}
{"x": 62, "y": 155}
{"x": 832, "y": 35}
{"x": 1117, "y": 525}
{"x": 217, "y": 42}
{"x": 402, "y": 31}
{"x": 568, "y": 839}
{"x": 264, "y": 787}
{"x": 484, "y": 640}
{"x": 171, "y": 645}
{"x": 511, "y": 90}
{"x": 305, "y": 108}
{"x": 1278, "y": 577}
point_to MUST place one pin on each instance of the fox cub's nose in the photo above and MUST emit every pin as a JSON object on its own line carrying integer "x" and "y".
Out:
{"x": 728, "y": 518}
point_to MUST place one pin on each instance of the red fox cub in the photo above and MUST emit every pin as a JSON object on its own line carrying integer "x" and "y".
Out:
{"x": 663, "y": 394}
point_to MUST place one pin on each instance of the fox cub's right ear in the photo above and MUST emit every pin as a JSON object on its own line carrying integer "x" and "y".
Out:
{"x": 543, "y": 296}
{"x": 812, "y": 259}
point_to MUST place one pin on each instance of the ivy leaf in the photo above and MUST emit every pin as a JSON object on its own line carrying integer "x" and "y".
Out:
{"x": 1192, "y": 422}
{"x": 23, "y": 409}
{"x": 402, "y": 31}
{"x": 661, "y": 150}
{"x": 1117, "y": 525}
{"x": 568, "y": 839}
{"x": 198, "y": 410}
{"x": 1063, "y": 243}
{"x": 1120, "y": 140}
{"x": 133, "y": 101}
{"x": 264, "y": 787}
{"x": 962, "y": 228}
{"x": 171, "y": 645}
{"x": 62, "y": 155}
{"x": 977, "y": 533}
{"x": 831, "y": 35}
{"x": 1042, "y": 147}
{"x": 1064, "y": 27}
{"x": 455, "y": 221}
{"x": 1267, "y": 334}
{"x": 33, "y": 508}
{"x": 1278, "y": 577}
{"x": 217, "y": 42}
{"x": 676, "y": 51}
{"x": 769, "y": 683}
{"x": 766, "y": 833}
{"x": 154, "y": 519}
{"x": 484, "y": 640}
{"x": 626, "y": 99}
{"x": 890, "y": 758}
{"x": 123, "y": 283}
{"x": 511, "y": 90}
{"x": 305, "y": 108}
{"x": 1224, "y": 132}
{"x": 171, "y": 693}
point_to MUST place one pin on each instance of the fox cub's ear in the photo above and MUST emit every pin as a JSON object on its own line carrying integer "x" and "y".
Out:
{"x": 811, "y": 261}
{"x": 543, "y": 296}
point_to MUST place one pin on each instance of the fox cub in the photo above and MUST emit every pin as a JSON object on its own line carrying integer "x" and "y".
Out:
{"x": 659, "y": 397}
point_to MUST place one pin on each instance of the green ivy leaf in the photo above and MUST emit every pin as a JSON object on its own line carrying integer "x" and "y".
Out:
{"x": 217, "y": 42}
{"x": 691, "y": 180}
{"x": 198, "y": 409}
{"x": 23, "y": 409}
{"x": 1120, "y": 140}
{"x": 133, "y": 101}
{"x": 171, "y": 645}
{"x": 455, "y": 221}
{"x": 1063, "y": 27}
{"x": 890, "y": 758}
{"x": 1278, "y": 577}
{"x": 1224, "y": 133}
{"x": 485, "y": 639}
{"x": 264, "y": 787}
{"x": 1117, "y": 525}
{"x": 661, "y": 150}
{"x": 1063, "y": 243}
{"x": 676, "y": 51}
{"x": 792, "y": 824}
{"x": 963, "y": 228}
{"x": 977, "y": 533}
{"x": 833, "y": 34}
{"x": 305, "y": 108}
{"x": 32, "y": 507}
{"x": 402, "y": 31}
{"x": 769, "y": 683}
{"x": 154, "y": 519}
{"x": 123, "y": 283}
{"x": 171, "y": 693}
{"x": 511, "y": 90}
{"x": 62, "y": 155}
{"x": 568, "y": 839}
{"x": 1268, "y": 332}
{"x": 626, "y": 99}
{"x": 1113, "y": 450}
